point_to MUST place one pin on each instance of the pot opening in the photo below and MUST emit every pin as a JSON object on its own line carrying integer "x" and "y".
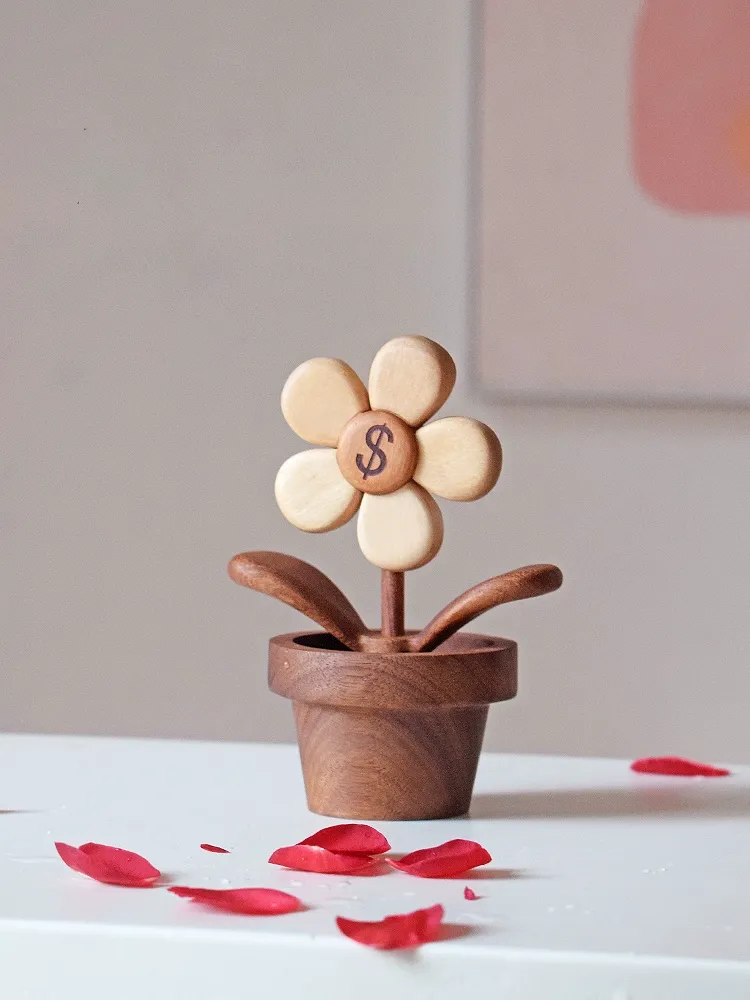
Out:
{"x": 320, "y": 640}
{"x": 461, "y": 642}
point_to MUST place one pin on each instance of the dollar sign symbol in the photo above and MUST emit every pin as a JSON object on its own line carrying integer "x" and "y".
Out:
{"x": 376, "y": 452}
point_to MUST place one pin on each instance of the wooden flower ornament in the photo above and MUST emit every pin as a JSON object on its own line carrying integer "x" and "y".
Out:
{"x": 382, "y": 459}
{"x": 389, "y": 722}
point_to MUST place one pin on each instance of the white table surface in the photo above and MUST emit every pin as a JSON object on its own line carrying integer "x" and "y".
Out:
{"x": 605, "y": 885}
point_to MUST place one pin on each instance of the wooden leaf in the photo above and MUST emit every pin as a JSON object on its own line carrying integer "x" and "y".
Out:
{"x": 304, "y": 588}
{"x": 517, "y": 585}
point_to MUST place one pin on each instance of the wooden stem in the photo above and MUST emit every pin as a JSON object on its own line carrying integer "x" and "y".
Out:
{"x": 392, "y": 602}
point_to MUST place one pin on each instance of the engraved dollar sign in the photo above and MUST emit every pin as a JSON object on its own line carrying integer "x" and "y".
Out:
{"x": 376, "y": 452}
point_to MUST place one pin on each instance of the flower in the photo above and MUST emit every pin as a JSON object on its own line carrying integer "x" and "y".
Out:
{"x": 380, "y": 457}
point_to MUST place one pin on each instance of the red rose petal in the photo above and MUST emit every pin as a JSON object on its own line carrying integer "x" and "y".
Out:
{"x": 213, "y": 849}
{"x": 677, "y": 766}
{"x": 251, "y": 902}
{"x": 349, "y": 838}
{"x": 470, "y": 894}
{"x": 405, "y": 930}
{"x": 109, "y": 864}
{"x": 451, "y": 858}
{"x": 307, "y": 858}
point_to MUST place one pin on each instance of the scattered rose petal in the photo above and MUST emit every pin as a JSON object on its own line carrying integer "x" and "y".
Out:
{"x": 349, "y": 838}
{"x": 213, "y": 849}
{"x": 452, "y": 858}
{"x": 251, "y": 902}
{"x": 307, "y": 858}
{"x": 677, "y": 766}
{"x": 405, "y": 930}
{"x": 469, "y": 893}
{"x": 109, "y": 864}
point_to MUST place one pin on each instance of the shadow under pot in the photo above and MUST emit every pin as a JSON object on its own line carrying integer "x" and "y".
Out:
{"x": 391, "y": 736}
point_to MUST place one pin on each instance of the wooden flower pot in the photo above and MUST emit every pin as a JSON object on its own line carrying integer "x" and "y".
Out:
{"x": 396, "y": 735}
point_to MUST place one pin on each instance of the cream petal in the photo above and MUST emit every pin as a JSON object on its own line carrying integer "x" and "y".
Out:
{"x": 401, "y": 530}
{"x": 320, "y": 397}
{"x": 312, "y": 493}
{"x": 459, "y": 458}
{"x": 411, "y": 377}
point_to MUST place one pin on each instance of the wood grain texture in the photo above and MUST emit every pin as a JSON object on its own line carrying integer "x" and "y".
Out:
{"x": 392, "y": 603}
{"x": 426, "y": 770}
{"x": 411, "y": 377}
{"x": 320, "y": 397}
{"x": 304, "y": 588}
{"x": 401, "y": 530}
{"x": 373, "y": 641}
{"x": 391, "y": 736}
{"x": 377, "y": 452}
{"x": 517, "y": 585}
{"x": 311, "y": 492}
{"x": 459, "y": 458}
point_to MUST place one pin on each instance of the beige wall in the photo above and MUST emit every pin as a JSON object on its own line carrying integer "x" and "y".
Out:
{"x": 196, "y": 198}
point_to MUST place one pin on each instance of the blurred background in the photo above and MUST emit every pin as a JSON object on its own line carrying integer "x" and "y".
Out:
{"x": 198, "y": 196}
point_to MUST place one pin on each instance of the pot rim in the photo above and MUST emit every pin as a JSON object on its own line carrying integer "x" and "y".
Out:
{"x": 459, "y": 643}
{"x": 469, "y": 669}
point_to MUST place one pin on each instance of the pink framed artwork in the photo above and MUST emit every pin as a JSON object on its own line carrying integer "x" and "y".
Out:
{"x": 614, "y": 200}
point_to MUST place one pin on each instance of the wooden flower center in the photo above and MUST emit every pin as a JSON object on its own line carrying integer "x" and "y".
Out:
{"x": 377, "y": 452}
